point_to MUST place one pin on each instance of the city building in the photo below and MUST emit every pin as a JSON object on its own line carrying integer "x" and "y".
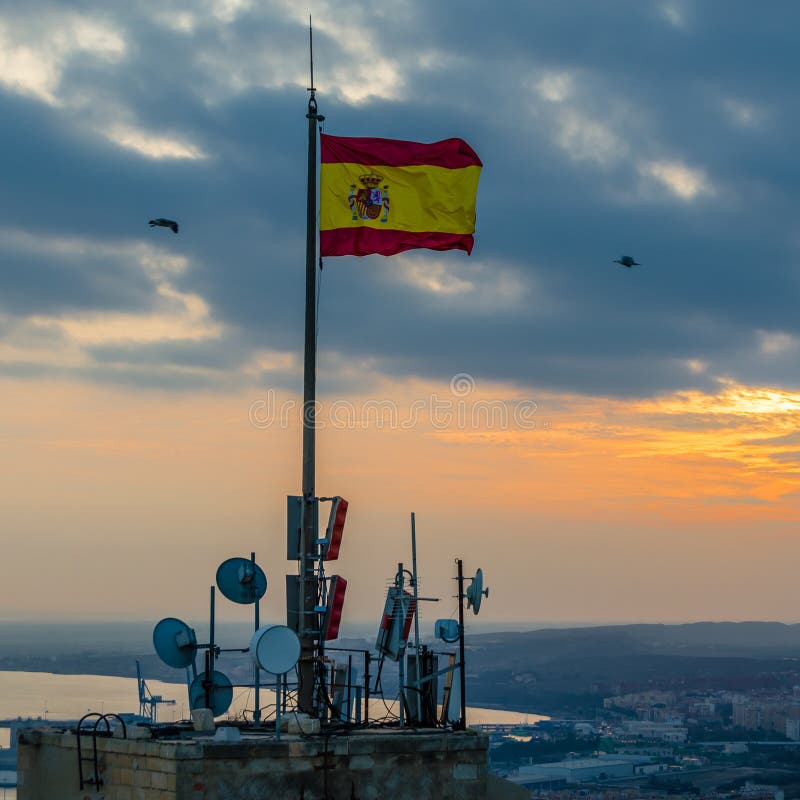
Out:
{"x": 582, "y": 770}
{"x": 657, "y": 731}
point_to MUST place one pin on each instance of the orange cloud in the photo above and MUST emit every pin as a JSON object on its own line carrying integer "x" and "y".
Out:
{"x": 134, "y": 497}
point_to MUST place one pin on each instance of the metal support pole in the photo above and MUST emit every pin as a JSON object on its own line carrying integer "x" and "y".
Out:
{"x": 278, "y": 679}
{"x": 461, "y": 671}
{"x": 350, "y": 687}
{"x": 366, "y": 686}
{"x": 211, "y": 627}
{"x": 256, "y": 668}
{"x": 309, "y": 589}
{"x": 400, "y": 622}
{"x": 418, "y": 696}
{"x": 208, "y": 684}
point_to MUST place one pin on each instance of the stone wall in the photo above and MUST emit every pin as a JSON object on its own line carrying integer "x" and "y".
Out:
{"x": 362, "y": 765}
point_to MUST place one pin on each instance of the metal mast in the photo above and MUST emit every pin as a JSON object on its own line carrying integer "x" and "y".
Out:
{"x": 309, "y": 627}
{"x": 462, "y": 723}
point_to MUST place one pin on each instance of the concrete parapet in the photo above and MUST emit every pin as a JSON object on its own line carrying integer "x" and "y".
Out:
{"x": 363, "y": 764}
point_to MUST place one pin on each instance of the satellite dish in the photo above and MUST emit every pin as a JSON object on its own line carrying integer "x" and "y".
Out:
{"x": 275, "y": 648}
{"x": 175, "y": 642}
{"x": 241, "y": 580}
{"x": 446, "y": 630}
{"x": 475, "y": 592}
{"x": 220, "y": 693}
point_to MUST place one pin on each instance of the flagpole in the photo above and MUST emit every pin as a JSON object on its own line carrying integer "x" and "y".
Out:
{"x": 309, "y": 587}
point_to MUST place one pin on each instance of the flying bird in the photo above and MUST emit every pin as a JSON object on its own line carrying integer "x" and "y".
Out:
{"x": 164, "y": 223}
{"x": 627, "y": 261}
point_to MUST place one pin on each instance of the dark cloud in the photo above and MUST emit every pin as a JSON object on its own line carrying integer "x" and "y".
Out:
{"x": 583, "y": 114}
{"x": 778, "y": 441}
{"x": 787, "y": 458}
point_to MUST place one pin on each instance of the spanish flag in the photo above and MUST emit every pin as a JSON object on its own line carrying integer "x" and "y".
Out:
{"x": 385, "y": 196}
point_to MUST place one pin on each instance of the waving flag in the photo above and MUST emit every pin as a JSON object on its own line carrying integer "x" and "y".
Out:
{"x": 385, "y": 196}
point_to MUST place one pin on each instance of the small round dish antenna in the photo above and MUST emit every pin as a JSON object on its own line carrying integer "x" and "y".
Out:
{"x": 446, "y": 630}
{"x": 220, "y": 693}
{"x": 476, "y": 592}
{"x": 275, "y": 648}
{"x": 241, "y": 580}
{"x": 175, "y": 642}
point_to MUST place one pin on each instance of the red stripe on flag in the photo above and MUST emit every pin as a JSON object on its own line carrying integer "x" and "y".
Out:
{"x": 449, "y": 153}
{"x": 365, "y": 241}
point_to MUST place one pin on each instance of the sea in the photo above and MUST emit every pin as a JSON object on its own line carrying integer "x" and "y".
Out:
{"x": 49, "y": 697}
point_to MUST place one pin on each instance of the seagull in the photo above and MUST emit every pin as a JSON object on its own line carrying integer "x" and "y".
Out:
{"x": 164, "y": 223}
{"x": 627, "y": 261}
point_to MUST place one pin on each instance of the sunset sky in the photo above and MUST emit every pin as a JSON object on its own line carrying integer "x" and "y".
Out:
{"x": 607, "y": 444}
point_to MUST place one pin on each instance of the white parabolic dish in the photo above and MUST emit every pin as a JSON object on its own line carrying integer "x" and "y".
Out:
{"x": 275, "y": 648}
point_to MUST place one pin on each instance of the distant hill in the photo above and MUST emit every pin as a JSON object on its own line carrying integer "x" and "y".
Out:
{"x": 552, "y": 671}
{"x": 571, "y": 670}
{"x": 722, "y": 639}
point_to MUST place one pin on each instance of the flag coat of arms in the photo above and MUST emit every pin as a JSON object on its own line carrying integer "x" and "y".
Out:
{"x": 385, "y": 196}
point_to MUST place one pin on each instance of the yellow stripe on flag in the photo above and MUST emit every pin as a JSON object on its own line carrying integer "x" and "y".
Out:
{"x": 421, "y": 198}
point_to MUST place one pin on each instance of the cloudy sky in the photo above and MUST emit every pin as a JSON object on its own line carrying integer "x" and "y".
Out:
{"x": 608, "y": 444}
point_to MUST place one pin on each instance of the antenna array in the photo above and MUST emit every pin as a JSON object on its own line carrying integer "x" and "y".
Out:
{"x": 277, "y": 649}
{"x": 242, "y": 581}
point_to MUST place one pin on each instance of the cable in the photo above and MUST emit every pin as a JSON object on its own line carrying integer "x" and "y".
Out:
{"x": 241, "y": 714}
